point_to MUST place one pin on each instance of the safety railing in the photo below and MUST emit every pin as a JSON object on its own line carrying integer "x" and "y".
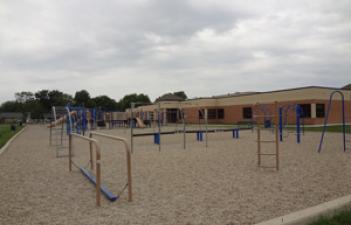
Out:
{"x": 128, "y": 155}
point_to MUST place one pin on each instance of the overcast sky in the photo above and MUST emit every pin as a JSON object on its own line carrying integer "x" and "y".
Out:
{"x": 203, "y": 47}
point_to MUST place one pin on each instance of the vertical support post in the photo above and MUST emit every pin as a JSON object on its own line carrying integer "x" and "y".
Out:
{"x": 159, "y": 126}
{"x": 70, "y": 152}
{"x": 206, "y": 127}
{"x": 132, "y": 105}
{"x": 184, "y": 130}
{"x": 62, "y": 128}
{"x": 129, "y": 171}
{"x": 298, "y": 128}
{"x": 276, "y": 135}
{"x": 281, "y": 123}
{"x": 91, "y": 161}
{"x": 258, "y": 144}
{"x": 98, "y": 176}
{"x": 50, "y": 135}
{"x": 343, "y": 122}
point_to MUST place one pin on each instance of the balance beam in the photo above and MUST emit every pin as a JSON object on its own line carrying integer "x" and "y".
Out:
{"x": 108, "y": 194}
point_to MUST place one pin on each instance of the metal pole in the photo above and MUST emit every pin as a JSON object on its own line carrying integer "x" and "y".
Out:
{"x": 206, "y": 126}
{"x": 276, "y": 135}
{"x": 184, "y": 130}
{"x": 343, "y": 122}
{"x": 159, "y": 126}
{"x": 298, "y": 130}
{"x": 131, "y": 126}
{"x": 281, "y": 123}
{"x": 70, "y": 152}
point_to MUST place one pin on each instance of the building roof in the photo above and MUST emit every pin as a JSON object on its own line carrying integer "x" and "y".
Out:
{"x": 267, "y": 92}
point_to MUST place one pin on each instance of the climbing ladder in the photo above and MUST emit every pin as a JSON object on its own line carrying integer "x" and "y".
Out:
{"x": 58, "y": 136}
{"x": 260, "y": 153}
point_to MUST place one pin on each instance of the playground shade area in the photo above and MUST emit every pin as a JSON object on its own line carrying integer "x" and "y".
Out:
{"x": 220, "y": 184}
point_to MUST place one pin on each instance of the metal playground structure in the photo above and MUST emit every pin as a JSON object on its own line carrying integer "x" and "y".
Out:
{"x": 76, "y": 127}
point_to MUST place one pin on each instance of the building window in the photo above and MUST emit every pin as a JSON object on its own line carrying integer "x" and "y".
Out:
{"x": 220, "y": 113}
{"x": 201, "y": 114}
{"x": 320, "y": 110}
{"x": 212, "y": 114}
{"x": 247, "y": 113}
{"x": 306, "y": 110}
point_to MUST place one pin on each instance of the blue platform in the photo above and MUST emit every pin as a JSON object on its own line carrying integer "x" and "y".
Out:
{"x": 108, "y": 194}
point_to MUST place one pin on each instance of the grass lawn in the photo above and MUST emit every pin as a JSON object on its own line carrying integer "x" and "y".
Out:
{"x": 6, "y": 133}
{"x": 334, "y": 128}
{"x": 343, "y": 218}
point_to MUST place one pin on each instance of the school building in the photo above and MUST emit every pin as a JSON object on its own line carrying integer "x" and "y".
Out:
{"x": 242, "y": 107}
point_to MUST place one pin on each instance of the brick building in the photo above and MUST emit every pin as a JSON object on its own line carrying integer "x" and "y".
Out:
{"x": 241, "y": 107}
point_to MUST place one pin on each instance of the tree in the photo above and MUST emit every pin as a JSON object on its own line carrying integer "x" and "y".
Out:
{"x": 43, "y": 97}
{"x": 58, "y": 98}
{"x": 105, "y": 102}
{"x": 24, "y": 96}
{"x": 11, "y": 106}
{"x": 181, "y": 94}
{"x": 139, "y": 99}
{"x": 82, "y": 98}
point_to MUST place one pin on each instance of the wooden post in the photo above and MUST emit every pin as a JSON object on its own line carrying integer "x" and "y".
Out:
{"x": 129, "y": 170}
{"x": 62, "y": 128}
{"x": 50, "y": 143}
{"x": 70, "y": 152}
{"x": 159, "y": 126}
{"x": 206, "y": 126}
{"x": 258, "y": 144}
{"x": 98, "y": 176}
{"x": 184, "y": 129}
{"x": 91, "y": 152}
{"x": 276, "y": 135}
{"x": 132, "y": 105}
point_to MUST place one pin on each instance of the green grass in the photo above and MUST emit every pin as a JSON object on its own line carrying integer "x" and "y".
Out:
{"x": 343, "y": 218}
{"x": 334, "y": 128}
{"x": 6, "y": 133}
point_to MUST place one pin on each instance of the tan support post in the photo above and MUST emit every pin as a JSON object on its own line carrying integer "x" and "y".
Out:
{"x": 70, "y": 152}
{"x": 91, "y": 153}
{"x": 98, "y": 176}
{"x": 276, "y": 119}
{"x": 258, "y": 144}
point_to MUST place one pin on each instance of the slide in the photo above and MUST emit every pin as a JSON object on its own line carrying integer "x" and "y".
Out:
{"x": 140, "y": 122}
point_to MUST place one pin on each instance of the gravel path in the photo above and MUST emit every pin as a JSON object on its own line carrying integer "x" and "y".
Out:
{"x": 217, "y": 185}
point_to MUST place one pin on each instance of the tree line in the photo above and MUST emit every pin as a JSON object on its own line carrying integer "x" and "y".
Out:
{"x": 41, "y": 102}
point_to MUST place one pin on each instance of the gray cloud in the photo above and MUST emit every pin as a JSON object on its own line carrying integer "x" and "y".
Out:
{"x": 201, "y": 47}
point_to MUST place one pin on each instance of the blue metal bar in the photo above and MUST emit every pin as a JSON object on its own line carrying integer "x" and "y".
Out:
{"x": 327, "y": 116}
{"x": 298, "y": 130}
{"x": 108, "y": 194}
{"x": 281, "y": 124}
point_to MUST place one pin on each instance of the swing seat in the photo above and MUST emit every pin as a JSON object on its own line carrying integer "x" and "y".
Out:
{"x": 108, "y": 194}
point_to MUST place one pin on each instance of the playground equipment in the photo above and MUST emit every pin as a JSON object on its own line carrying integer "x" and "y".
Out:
{"x": 128, "y": 159}
{"x": 327, "y": 116}
{"x": 78, "y": 120}
{"x": 96, "y": 179}
{"x": 283, "y": 120}
{"x": 57, "y": 134}
{"x": 267, "y": 115}
{"x": 275, "y": 141}
{"x": 156, "y": 135}
{"x": 200, "y": 132}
